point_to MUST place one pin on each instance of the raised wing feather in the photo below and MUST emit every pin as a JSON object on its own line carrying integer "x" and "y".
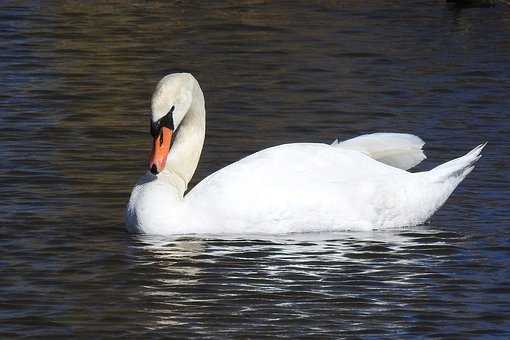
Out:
{"x": 399, "y": 150}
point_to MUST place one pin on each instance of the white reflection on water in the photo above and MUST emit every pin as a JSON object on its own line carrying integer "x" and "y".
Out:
{"x": 362, "y": 271}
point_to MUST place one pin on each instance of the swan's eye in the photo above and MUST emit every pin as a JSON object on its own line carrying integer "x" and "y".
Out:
{"x": 155, "y": 127}
{"x": 166, "y": 121}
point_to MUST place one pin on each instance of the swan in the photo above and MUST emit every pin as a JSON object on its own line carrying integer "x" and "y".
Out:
{"x": 358, "y": 184}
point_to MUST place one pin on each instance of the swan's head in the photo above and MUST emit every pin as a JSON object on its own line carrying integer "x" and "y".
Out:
{"x": 170, "y": 103}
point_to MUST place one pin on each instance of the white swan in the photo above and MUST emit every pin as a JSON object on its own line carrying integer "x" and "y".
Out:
{"x": 361, "y": 183}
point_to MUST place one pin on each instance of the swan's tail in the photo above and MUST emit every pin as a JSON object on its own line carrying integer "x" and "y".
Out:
{"x": 457, "y": 169}
{"x": 441, "y": 181}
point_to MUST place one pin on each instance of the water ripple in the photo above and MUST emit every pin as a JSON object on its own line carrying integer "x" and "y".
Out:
{"x": 73, "y": 140}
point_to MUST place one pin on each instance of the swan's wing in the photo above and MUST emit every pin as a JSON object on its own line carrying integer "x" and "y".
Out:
{"x": 291, "y": 167}
{"x": 286, "y": 187}
{"x": 400, "y": 150}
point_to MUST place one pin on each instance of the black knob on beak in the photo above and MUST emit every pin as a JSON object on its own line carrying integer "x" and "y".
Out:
{"x": 154, "y": 170}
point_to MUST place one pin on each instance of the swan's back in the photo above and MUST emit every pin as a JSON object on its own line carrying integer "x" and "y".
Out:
{"x": 296, "y": 186}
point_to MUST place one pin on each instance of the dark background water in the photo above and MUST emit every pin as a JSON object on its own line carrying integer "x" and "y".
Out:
{"x": 74, "y": 137}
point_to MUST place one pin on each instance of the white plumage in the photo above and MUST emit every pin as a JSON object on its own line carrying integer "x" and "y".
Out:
{"x": 400, "y": 150}
{"x": 361, "y": 183}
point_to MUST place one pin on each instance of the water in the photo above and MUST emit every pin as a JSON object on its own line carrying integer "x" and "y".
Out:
{"x": 74, "y": 137}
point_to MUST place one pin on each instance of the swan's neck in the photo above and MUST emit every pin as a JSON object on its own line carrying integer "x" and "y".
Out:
{"x": 187, "y": 146}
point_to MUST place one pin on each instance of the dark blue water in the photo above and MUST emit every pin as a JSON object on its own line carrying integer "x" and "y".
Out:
{"x": 74, "y": 137}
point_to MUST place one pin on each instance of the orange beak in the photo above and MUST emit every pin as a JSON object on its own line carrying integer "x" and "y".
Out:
{"x": 160, "y": 148}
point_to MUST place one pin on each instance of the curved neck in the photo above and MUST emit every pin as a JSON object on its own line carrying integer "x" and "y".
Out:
{"x": 185, "y": 151}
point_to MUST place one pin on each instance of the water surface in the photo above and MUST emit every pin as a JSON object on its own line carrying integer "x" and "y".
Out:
{"x": 74, "y": 137}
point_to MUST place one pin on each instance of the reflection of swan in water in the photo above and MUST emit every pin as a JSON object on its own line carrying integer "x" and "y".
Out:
{"x": 332, "y": 247}
{"x": 191, "y": 254}
{"x": 361, "y": 183}
{"x": 193, "y": 277}
{"x": 173, "y": 256}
